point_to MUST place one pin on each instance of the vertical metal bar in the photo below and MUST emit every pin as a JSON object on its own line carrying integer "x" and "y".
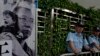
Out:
{"x": 81, "y": 54}
{"x": 86, "y": 54}
{"x": 35, "y": 27}
{"x": 90, "y": 54}
{"x": 94, "y": 54}
{"x": 97, "y": 53}
{"x": 52, "y": 18}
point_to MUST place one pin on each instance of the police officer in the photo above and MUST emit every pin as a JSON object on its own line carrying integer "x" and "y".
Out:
{"x": 94, "y": 39}
{"x": 75, "y": 39}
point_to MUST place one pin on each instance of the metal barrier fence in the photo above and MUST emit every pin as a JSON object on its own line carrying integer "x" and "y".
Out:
{"x": 82, "y": 54}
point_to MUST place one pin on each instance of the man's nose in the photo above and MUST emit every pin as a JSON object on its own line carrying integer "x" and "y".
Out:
{"x": 4, "y": 18}
{"x": 27, "y": 24}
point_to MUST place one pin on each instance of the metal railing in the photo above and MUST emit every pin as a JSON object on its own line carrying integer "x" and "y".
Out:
{"x": 82, "y": 54}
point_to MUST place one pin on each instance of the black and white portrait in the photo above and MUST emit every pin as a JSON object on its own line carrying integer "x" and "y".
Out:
{"x": 18, "y": 25}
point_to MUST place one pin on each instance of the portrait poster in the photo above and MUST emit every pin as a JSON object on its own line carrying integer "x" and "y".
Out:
{"x": 18, "y": 27}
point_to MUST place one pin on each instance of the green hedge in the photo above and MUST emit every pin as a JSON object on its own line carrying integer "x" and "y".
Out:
{"x": 52, "y": 41}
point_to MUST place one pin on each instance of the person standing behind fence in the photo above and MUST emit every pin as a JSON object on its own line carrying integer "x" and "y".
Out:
{"x": 75, "y": 39}
{"x": 94, "y": 39}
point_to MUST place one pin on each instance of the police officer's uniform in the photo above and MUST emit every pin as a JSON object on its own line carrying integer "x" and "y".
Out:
{"x": 78, "y": 41}
{"x": 94, "y": 39}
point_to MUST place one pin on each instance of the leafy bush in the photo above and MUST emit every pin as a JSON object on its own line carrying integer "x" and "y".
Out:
{"x": 52, "y": 41}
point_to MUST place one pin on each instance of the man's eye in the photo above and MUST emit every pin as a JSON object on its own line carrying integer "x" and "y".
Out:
{"x": 23, "y": 18}
{"x": 31, "y": 19}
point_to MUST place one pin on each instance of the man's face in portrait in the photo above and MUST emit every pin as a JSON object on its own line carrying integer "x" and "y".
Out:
{"x": 25, "y": 21}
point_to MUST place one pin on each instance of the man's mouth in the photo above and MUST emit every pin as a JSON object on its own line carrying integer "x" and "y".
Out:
{"x": 26, "y": 32}
{"x": 26, "y": 28}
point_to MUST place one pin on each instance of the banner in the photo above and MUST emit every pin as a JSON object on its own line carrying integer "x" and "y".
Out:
{"x": 18, "y": 27}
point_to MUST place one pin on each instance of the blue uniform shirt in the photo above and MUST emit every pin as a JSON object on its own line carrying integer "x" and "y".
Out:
{"x": 93, "y": 39}
{"x": 78, "y": 41}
